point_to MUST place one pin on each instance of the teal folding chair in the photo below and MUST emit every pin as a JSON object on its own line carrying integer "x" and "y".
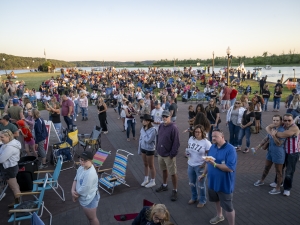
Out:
{"x": 108, "y": 182}
{"x": 20, "y": 214}
{"x": 52, "y": 179}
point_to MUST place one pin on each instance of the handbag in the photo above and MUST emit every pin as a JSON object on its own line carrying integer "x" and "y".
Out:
{"x": 214, "y": 117}
{"x": 253, "y": 129}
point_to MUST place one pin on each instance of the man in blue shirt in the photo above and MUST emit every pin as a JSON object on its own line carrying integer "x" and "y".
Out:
{"x": 220, "y": 171}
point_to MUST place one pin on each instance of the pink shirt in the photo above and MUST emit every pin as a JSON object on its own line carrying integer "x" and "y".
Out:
{"x": 65, "y": 107}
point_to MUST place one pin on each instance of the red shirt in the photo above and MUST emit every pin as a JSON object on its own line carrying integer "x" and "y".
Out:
{"x": 226, "y": 93}
{"x": 233, "y": 94}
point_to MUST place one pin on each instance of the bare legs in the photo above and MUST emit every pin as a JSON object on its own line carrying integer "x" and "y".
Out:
{"x": 229, "y": 215}
{"x": 14, "y": 186}
{"x": 278, "y": 169}
{"x": 149, "y": 165}
{"x": 91, "y": 214}
{"x": 174, "y": 179}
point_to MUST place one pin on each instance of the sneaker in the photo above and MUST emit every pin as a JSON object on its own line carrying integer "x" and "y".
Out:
{"x": 162, "y": 188}
{"x": 216, "y": 219}
{"x": 286, "y": 193}
{"x": 258, "y": 183}
{"x": 200, "y": 205}
{"x": 75, "y": 119}
{"x": 273, "y": 185}
{"x": 274, "y": 192}
{"x": 191, "y": 202}
{"x": 86, "y": 118}
{"x": 174, "y": 196}
{"x": 105, "y": 132}
{"x": 43, "y": 166}
{"x": 150, "y": 184}
{"x": 146, "y": 181}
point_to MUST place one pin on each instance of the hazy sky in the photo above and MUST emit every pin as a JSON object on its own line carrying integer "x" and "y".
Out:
{"x": 147, "y": 30}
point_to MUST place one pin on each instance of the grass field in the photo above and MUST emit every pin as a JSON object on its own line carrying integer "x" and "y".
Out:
{"x": 34, "y": 80}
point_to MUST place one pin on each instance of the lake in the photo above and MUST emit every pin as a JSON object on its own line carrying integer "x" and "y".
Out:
{"x": 273, "y": 75}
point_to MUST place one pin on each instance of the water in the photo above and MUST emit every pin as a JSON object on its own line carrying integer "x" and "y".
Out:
{"x": 273, "y": 74}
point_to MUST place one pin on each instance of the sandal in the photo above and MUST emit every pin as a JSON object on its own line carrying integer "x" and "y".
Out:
{"x": 246, "y": 150}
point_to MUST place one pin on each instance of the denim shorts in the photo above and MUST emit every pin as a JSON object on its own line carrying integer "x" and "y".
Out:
{"x": 94, "y": 203}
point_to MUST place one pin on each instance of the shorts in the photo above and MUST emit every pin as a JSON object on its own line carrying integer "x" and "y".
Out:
{"x": 257, "y": 115}
{"x": 224, "y": 199}
{"x": 225, "y": 102}
{"x": 276, "y": 156}
{"x": 173, "y": 119}
{"x": 166, "y": 163}
{"x": 31, "y": 142}
{"x": 41, "y": 149}
{"x": 148, "y": 153}
{"x": 94, "y": 203}
{"x": 10, "y": 172}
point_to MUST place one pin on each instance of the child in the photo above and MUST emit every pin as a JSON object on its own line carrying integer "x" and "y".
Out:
{"x": 28, "y": 138}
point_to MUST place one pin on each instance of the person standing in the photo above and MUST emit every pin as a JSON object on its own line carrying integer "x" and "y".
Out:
{"x": 130, "y": 120}
{"x": 266, "y": 95}
{"x": 225, "y": 97}
{"x": 167, "y": 149}
{"x": 147, "y": 148}
{"x": 85, "y": 187}
{"x": 291, "y": 134}
{"x": 15, "y": 112}
{"x": 83, "y": 103}
{"x": 276, "y": 99}
{"x": 233, "y": 95}
{"x": 198, "y": 147}
{"x": 54, "y": 109}
{"x": 41, "y": 134}
{"x": 102, "y": 108}
{"x": 157, "y": 115}
{"x": 262, "y": 83}
{"x": 173, "y": 108}
{"x": 67, "y": 111}
{"x": 213, "y": 115}
{"x": 220, "y": 171}
{"x": 6, "y": 125}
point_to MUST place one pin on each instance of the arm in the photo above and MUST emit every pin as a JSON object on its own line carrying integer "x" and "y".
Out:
{"x": 150, "y": 136}
{"x": 175, "y": 144}
{"x": 73, "y": 191}
{"x": 277, "y": 141}
{"x": 105, "y": 108}
{"x": 288, "y": 133}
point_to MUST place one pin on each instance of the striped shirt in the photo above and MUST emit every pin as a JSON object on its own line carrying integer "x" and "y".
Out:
{"x": 292, "y": 143}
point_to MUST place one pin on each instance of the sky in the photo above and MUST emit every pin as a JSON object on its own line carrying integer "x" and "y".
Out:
{"x": 118, "y": 30}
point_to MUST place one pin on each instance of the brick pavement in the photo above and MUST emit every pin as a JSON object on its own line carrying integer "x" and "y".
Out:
{"x": 253, "y": 205}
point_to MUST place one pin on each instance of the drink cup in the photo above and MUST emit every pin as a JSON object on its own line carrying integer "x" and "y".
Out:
{"x": 187, "y": 152}
{"x": 253, "y": 151}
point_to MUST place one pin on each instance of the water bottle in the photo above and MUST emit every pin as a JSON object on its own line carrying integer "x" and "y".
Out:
{"x": 253, "y": 151}
{"x": 187, "y": 152}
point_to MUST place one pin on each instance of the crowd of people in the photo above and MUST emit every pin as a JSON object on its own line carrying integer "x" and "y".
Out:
{"x": 151, "y": 96}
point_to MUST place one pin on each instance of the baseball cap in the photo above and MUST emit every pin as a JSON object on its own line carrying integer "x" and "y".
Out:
{"x": 86, "y": 155}
{"x": 165, "y": 113}
{"x": 157, "y": 102}
{"x": 4, "y": 116}
{"x": 15, "y": 101}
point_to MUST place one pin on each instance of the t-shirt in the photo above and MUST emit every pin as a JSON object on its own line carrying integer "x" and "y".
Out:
{"x": 173, "y": 107}
{"x": 226, "y": 93}
{"x": 13, "y": 128}
{"x": 197, "y": 149}
{"x": 27, "y": 134}
{"x": 14, "y": 112}
{"x": 233, "y": 94}
{"x": 157, "y": 117}
{"x": 219, "y": 180}
{"x": 277, "y": 93}
{"x": 247, "y": 117}
{"x": 212, "y": 113}
{"x": 55, "y": 118}
{"x": 65, "y": 107}
{"x": 266, "y": 93}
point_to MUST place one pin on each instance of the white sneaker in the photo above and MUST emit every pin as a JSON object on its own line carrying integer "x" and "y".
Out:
{"x": 150, "y": 184}
{"x": 75, "y": 119}
{"x": 273, "y": 185}
{"x": 286, "y": 193}
{"x": 146, "y": 181}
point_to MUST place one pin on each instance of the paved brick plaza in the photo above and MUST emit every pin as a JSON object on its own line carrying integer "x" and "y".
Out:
{"x": 253, "y": 205}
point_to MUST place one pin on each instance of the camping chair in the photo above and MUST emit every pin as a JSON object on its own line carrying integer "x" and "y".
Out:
{"x": 19, "y": 213}
{"x": 98, "y": 159}
{"x": 200, "y": 97}
{"x": 3, "y": 185}
{"x": 118, "y": 172}
{"x": 52, "y": 181}
{"x": 131, "y": 216}
{"x": 92, "y": 140}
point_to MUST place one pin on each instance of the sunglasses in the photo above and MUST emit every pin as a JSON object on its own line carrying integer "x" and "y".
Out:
{"x": 287, "y": 120}
{"x": 237, "y": 103}
{"x": 165, "y": 116}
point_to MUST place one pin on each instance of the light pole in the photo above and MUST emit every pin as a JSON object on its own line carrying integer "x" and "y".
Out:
{"x": 4, "y": 66}
{"x": 32, "y": 64}
{"x": 228, "y": 51}
{"x": 294, "y": 75}
{"x": 213, "y": 63}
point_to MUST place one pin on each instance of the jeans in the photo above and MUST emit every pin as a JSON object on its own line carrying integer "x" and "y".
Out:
{"x": 232, "y": 101}
{"x": 76, "y": 107}
{"x": 265, "y": 106}
{"x": 294, "y": 113}
{"x": 130, "y": 125}
{"x": 276, "y": 103}
{"x": 119, "y": 108}
{"x": 198, "y": 188}
{"x": 69, "y": 121}
{"x": 234, "y": 133}
{"x": 243, "y": 132}
{"x": 57, "y": 127}
{"x": 290, "y": 164}
{"x": 84, "y": 111}
{"x": 211, "y": 129}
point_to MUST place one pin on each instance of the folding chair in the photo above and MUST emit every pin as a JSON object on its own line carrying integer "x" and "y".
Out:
{"x": 92, "y": 140}
{"x": 25, "y": 214}
{"x": 98, "y": 159}
{"x": 3, "y": 185}
{"x": 200, "y": 97}
{"x": 131, "y": 216}
{"x": 118, "y": 172}
{"x": 52, "y": 181}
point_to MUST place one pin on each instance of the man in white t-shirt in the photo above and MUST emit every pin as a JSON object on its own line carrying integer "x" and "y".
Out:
{"x": 157, "y": 114}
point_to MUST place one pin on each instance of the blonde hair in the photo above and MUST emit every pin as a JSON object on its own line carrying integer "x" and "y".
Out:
{"x": 36, "y": 114}
{"x": 159, "y": 209}
{"x": 8, "y": 134}
{"x": 295, "y": 99}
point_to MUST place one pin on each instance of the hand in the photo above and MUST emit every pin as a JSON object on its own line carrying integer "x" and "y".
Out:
{"x": 201, "y": 176}
{"x": 215, "y": 125}
{"x": 273, "y": 132}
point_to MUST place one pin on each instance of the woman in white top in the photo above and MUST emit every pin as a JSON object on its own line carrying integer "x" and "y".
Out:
{"x": 234, "y": 120}
{"x": 94, "y": 97}
{"x": 139, "y": 94}
{"x": 198, "y": 146}
{"x": 85, "y": 187}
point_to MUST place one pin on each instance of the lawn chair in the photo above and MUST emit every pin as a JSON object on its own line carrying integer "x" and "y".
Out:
{"x": 92, "y": 140}
{"x": 131, "y": 216}
{"x": 3, "y": 185}
{"x": 52, "y": 181}
{"x": 98, "y": 159}
{"x": 200, "y": 97}
{"x": 19, "y": 214}
{"x": 118, "y": 173}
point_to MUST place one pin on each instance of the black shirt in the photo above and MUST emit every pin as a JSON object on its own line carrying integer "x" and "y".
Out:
{"x": 212, "y": 114}
{"x": 247, "y": 117}
{"x": 55, "y": 118}
{"x": 173, "y": 107}
{"x": 277, "y": 93}
{"x": 266, "y": 93}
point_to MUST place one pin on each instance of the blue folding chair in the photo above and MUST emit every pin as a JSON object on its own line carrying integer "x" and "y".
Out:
{"x": 20, "y": 213}
{"x": 52, "y": 179}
